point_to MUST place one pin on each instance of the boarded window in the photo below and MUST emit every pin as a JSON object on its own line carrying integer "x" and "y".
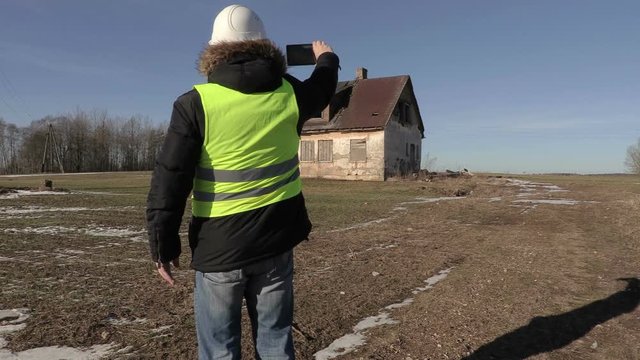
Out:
{"x": 358, "y": 150}
{"x": 325, "y": 150}
{"x": 307, "y": 150}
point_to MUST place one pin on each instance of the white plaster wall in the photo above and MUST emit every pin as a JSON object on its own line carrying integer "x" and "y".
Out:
{"x": 341, "y": 168}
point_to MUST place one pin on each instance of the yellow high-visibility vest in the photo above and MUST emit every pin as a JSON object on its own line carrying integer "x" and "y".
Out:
{"x": 249, "y": 156}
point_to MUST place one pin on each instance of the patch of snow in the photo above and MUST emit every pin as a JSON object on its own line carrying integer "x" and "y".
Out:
{"x": 81, "y": 192}
{"x": 9, "y": 315}
{"x": 382, "y": 247}
{"x": 426, "y": 200}
{"x": 48, "y": 352}
{"x": 18, "y": 317}
{"x": 494, "y": 199}
{"x": 382, "y": 318}
{"x": 5, "y": 329}
{"x": 161, "y": 329}
{"x": 357, "y": 338}
{"x": 518, "y": 182}
{"x": 528, "y": 208}
{"x": 528, "y": 189}
{"x": 138, "y": 239}
{"x": 341, "y": 346}
{"x": 108, "y": 231}
{"x": 433, "y": 280}
{"x": 71, "y": 251}
{"x": 92, "y": 231}
{"x": 437, "y": 278}
{"x": 137, "y": 260}
{"x": 362, "y": 225}
{"x": 10, "y": 210}
{"x": 405, "y": 302}
{"x": 554, "y": 201}
{"x": 66, "y": 174}
{"x": 122, "y": 321}
{"x": 44, "y": 230}
{"x": 19, "y": 193}
{"x": 59, "y": 353}
{"x": 399, "y": 207}
{"x": 125, "y": 350}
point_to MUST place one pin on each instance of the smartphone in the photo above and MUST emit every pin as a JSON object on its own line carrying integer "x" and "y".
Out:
{"x": 300, "y": 54}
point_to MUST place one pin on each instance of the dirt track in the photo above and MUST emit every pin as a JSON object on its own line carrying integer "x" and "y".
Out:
{"x": 518, "y": 277}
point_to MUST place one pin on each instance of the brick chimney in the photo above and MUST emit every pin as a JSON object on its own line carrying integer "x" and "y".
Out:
{"x": 326, "y": 113}
{"x": 361, "y": 73}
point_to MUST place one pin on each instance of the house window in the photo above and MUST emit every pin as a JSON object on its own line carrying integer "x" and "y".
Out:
{"x": 413, "y": 153}
{"x": 325, "y": 150}
{"x": 403, "y": 113}
{"x": 307, "y": 150}
{"x": 358, "y": 150}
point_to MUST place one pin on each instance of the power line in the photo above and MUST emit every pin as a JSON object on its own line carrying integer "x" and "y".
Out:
{"x": 11, "y": 90}
{"x": 9, "y": 106}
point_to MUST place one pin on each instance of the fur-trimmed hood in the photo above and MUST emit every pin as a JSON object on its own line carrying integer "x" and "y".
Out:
{"x": 222, "y": 53}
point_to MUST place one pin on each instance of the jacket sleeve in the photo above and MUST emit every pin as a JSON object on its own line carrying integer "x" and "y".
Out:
{"x": 172, "y": 178}
{"x": 315, "y": 93}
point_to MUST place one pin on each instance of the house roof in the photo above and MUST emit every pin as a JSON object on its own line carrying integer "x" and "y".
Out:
{"x": 364, "y": 104}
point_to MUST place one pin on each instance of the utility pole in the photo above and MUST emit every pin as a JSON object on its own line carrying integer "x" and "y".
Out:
{"x": 51, "y": 147}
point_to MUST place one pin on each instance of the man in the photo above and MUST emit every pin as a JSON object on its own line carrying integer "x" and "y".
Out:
{"x": 234, "y": 141}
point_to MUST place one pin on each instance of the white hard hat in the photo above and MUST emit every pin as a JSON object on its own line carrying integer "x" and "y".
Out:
{"x": 237, "y": 23}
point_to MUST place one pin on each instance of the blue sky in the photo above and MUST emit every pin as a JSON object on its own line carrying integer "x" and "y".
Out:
{"x": 505, "y": 86}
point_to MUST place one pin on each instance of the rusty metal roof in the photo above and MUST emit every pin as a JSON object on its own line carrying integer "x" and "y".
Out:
{"x": 363, "y": 104}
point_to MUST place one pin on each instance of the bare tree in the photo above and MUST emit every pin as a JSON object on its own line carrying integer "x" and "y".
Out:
{"x": 633, "y": 158}
{"x": 13, "y": 140}
{"x": 129, "y": 140}
{"x": 102, "y": 142}
{"x": 84, "y": 141}
{"x": 4, "y": 154}
{"x": 31, "y": 148}
{"x": 153, "y": 137}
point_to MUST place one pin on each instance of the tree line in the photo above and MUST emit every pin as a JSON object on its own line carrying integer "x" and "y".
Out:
{"x": 633, "y": 158}
{"x": 80, "y": 142}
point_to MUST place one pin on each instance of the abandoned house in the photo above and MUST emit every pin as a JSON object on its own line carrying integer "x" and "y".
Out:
{"x": 371, "y": 130}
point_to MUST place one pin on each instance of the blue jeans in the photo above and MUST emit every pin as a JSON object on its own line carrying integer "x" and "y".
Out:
{"x": 267, "y": 287}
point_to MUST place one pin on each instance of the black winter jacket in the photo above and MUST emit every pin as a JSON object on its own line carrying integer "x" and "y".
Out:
{"x": 230, "y": 242}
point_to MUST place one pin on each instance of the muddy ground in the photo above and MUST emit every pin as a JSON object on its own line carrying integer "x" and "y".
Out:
{"x": 540, "y": 267}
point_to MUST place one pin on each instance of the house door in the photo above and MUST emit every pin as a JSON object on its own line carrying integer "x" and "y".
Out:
{"x": 412, "y": 158}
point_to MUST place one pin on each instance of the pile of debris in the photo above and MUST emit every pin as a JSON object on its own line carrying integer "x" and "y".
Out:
{"x": 426, "y": 175}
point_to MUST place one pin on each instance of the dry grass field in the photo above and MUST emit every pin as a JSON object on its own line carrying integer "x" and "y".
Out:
{"x": 539, "y": 267}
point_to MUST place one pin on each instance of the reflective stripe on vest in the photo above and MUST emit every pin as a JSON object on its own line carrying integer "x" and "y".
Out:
{"x": 247, "y": 174}
{"x": 249, "y": 156}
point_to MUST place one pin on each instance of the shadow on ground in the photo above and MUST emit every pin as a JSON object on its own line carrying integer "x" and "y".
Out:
{"x": 549, "y": 333}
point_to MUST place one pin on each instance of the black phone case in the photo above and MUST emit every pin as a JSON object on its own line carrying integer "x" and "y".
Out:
{"x": 300, "y": 54}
